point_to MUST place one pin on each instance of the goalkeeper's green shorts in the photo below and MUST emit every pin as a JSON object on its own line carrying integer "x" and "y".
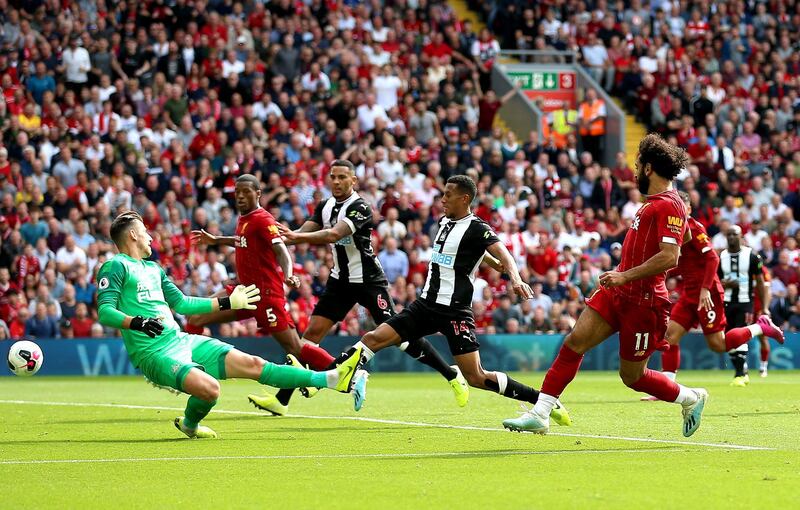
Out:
{"x": 170, "y": 366}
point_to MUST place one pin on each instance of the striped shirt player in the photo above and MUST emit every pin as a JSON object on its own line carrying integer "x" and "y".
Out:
{"x": 740, "y": 271}
{"x": 345, "y": 221}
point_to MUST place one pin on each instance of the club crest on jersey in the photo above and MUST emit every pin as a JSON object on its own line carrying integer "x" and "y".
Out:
{"x": 240, "y": 241}
{"x": 636, "y": 220}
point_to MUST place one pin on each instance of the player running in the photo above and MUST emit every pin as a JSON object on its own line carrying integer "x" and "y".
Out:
{"x": 701, "y": 302}
{"x": 259, "y": 252}
{"x": 345, "y": 221}
{"x": 445, "y": 305}
{"x": 135, "y": 296}
{"x": 633, "y": 299}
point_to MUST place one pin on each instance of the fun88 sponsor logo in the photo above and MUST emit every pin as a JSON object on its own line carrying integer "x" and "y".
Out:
{"x": 444, "y": 260}
{"x": 345, "y": 241}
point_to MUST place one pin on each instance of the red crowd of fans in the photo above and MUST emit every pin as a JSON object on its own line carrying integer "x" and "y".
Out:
{"x": 158, "y": 105}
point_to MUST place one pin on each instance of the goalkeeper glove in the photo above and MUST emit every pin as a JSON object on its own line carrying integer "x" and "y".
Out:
{"x": 147, "y": 325}
{"x": 242, "y": 298}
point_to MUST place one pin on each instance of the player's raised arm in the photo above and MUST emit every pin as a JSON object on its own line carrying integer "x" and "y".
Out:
{"x": 241, "y": 298}
{"x": 500, "y": 252}
{"x": 323, "y": 236}
{"x": 203, "y": 237}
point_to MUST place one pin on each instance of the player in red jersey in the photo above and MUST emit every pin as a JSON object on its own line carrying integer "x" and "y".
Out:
{"x": 632, "y": 299}
{"x": 702, "y": 302}
{"x": 762, "y": 339}
{"x": 259, "y": 252}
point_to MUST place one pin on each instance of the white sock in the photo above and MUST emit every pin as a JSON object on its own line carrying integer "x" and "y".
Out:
{"x": 502, "y": 382}
{"x": 670, "y": 375}
{"x": 544, "y": 405}
{"x": 686, "y": 396}
{"x": 332, "y": 378}
{"x": 366, "y": 352}
{"x": 764, "y": 365}
{"x": 755, "y": 330}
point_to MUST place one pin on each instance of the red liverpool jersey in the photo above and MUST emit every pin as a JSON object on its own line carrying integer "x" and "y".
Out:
{"x": 662, "y": 219}
{"x": 256, "y": 263}
{"x": 693, "y": 262}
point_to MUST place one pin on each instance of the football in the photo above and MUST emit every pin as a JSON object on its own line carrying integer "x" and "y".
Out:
{"x": 25, "y": 358}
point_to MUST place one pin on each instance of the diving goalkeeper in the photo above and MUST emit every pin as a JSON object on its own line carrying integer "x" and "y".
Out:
{"x": 135, "y": 296}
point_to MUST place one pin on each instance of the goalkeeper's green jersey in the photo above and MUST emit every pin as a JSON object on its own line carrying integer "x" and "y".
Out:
{"x": 126, "y": 286}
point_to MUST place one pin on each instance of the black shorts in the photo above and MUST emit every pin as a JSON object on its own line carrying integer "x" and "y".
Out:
{"x": 421, "y": 318}
{"x": 736, "y": 314}
{"x": 339, "y": 298}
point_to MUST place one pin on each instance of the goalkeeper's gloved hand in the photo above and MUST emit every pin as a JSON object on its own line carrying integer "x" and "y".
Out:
{"x": 150, "y": 326}
{"x": 242, "y": 298}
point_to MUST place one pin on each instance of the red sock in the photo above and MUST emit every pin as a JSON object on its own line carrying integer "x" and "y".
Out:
{"x": 736, "y": 337}
{"x": 194, "y": 330}
{"x": 562, "y": 371}
{"x": 315, "y": 356}
{"x": 764, "y": 352}
{"x": 657, "y": 384}
{"x": 671, "y": 359}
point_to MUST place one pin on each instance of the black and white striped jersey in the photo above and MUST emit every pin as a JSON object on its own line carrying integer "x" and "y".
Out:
{"x": 742, "y": 267}
{"x": 354, "y": 260}
{"x": 457, "y": 252}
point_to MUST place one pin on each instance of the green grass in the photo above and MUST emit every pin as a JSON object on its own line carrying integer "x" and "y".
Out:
{"x": 341, "y": 463}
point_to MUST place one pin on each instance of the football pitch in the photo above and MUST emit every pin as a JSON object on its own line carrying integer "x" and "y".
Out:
{"x": 110, "y": 442}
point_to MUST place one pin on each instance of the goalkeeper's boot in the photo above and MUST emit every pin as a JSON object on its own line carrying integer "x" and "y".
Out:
{"x": 309, "y": 391}
{"x": 693, "y": 412}
{"x": 360, "y": 389}
{"x": 460, "y": 387}
{"x": 269, "y": 403}
{"x": 200, "y": 432}
{"x": 347, "y": 371}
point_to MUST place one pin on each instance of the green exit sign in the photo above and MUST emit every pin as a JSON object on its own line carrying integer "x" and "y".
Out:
{"x": 525, "y": 80}
{"x": 535, "y": 80}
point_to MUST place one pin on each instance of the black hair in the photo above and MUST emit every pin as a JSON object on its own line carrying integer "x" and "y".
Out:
{"x": 465, "y": 184}
{"x": 122, "y": 224}
{"x": 249, "y": 179}
{"x": 345, "y": 163}
{"x": 667, "y": 160}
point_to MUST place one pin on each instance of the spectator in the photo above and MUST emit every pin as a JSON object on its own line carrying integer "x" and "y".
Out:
{"x": 41, "y": 325}
{"x": 393, "y": 261}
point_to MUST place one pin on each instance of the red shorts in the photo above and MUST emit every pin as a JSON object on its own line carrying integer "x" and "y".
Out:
{"x": 641, "y": 328}
{"x": 272, "y": 314}
{"x": 685, "y": 313}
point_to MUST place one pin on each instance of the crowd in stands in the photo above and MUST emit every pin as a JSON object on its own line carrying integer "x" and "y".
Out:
{"x": 158, "y": 105}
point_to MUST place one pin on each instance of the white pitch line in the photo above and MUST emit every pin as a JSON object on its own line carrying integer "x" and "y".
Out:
{"x": 397, "y": 422}
{"x": 331, "y": 456}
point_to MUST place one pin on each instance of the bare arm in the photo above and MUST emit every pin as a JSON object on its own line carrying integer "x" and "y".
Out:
{"x": 493, "y": 263}
{"x": 287, "y": 266}
{"x": 203, "y": 237}
{"x": 763, "y": 293}
{"x": 500, "y": 252}
{"x": 659, "y": 263}
{"x": 324, "y": 236}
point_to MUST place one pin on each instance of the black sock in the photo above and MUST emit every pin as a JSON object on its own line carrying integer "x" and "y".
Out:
{"x": 284, "y": 395}
{"x": 738, "y": 359}
{"x": 422, "y": 351}
{"x": 341, "y": 358}
{"x": 513, "y": 389}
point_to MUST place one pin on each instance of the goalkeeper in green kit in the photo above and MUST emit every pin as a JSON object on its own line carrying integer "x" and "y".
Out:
{"x": 135, "y": 296}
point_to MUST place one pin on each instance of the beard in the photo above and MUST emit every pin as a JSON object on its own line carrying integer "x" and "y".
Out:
{"x": 643, "y": 183}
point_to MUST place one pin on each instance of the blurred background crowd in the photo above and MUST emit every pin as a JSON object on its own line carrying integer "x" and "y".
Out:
{"x": 158, "y": 105}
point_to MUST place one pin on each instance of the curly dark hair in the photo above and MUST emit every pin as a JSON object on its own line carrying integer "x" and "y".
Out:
{"x": 667, "y": 160}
